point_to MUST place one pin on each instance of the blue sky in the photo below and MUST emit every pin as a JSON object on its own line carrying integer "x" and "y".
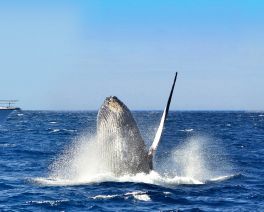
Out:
{"x": 70, "y": 55}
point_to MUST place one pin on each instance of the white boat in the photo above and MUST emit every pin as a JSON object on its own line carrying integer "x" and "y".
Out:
{"x": 6, "y": 108}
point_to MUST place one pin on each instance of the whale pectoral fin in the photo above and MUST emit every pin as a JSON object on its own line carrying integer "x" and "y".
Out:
{"x": 157, "y": 138}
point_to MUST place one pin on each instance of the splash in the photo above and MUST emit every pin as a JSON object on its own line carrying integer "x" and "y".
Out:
{"x": 152, "y": 178}
{"x": 200, "y": 158}
{"x": 79, "y": 161}
{"x": 197, "y": 161}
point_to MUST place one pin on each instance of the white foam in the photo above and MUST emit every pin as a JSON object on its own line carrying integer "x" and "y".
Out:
{"x": 199, "y": 158}
{"x": 222, "y": 178}
{"x": 187, "y": 130}
{"x": 57, "y": 181}
{"x": 166, "y": 193}
{"x": 7, "y": 145}
{"x": 151, "y": 178}
{"x": 190, "y": 163}
{"x": 49, "y": 202}
{"x": 69, "y": 130}
{"x": 139, "y": 195}
{"x": 104, "y": 196}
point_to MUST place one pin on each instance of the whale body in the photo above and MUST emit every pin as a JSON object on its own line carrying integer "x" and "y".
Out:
{"x": 122, "y": 147}
{"x": 121, "y": 144}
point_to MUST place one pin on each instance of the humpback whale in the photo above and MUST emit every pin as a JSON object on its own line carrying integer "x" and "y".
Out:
{"x": 122, "y": 147}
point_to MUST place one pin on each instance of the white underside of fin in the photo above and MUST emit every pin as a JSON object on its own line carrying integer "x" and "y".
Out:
{"x": 156, "y": 141}
{"x": 157, "y": 138}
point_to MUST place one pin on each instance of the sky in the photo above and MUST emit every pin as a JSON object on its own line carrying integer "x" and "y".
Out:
{"x": 70, "y": 55}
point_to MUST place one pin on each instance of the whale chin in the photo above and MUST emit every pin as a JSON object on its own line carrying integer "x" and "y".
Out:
{"x": 121, "y": 144}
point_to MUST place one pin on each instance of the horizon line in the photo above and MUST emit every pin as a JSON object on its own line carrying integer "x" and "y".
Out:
{"x": 151, "y": 110}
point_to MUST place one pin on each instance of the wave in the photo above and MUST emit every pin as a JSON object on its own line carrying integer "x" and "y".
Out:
{"x": 223, "y": 178}
{"x": 138, "y": 195}
{"x": 152, "y": 178}
{"x": 187, "y": 130}
{"x": 56, "y": 130}
{"x": 48, "y": 202}
{"x": 8, "y": 145}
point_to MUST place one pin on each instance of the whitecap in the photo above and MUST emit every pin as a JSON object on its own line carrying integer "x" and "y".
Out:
{"x": 222, "y": 178}
{"x": 49, "y": 202}
{"x": 69, "y": 130}
{"x": 187, "y": 130}
{"x": 7, "y": 145}
{"x": 104, "y": 197}
{"x": 139, "y": 195}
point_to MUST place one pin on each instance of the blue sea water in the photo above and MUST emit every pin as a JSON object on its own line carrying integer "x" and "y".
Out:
{"x": 207, "y": 161}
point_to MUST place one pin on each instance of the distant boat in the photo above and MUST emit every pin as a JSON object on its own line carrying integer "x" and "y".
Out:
{"x": 6, "y": 107}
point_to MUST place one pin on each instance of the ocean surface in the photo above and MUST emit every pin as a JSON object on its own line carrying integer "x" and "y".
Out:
{"x": 207, "y": 161}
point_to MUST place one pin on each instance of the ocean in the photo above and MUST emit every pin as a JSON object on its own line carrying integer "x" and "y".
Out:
{"x": 206, "y": 161}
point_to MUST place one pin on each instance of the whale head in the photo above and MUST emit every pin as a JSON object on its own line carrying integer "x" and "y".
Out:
{"x": 114, "y": 112}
